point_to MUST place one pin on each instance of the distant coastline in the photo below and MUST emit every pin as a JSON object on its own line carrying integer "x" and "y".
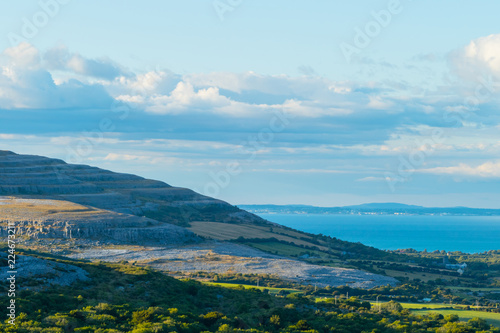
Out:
{"x": 371, "y": 209}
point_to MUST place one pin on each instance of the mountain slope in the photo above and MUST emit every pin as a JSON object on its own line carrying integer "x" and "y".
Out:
{"x": 38, "y": 177}
{"x": 29, "y": 175}
{"x": 93, "y": 213}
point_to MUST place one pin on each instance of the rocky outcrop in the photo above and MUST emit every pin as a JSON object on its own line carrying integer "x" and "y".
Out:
{"x": 39, "y": 219}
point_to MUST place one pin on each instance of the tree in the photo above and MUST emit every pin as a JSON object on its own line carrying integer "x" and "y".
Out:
{"x": 275, "y": 320}
{"x": 451, "y": 318}
{"x": 302, "y": 325}
{"x": 478, "y": 324}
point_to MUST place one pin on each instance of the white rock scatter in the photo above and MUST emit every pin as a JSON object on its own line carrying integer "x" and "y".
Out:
{"x": 44, "y": 272}
{"x": 222, "y": 257}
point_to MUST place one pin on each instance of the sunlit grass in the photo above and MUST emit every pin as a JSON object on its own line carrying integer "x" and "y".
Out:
{"x": 249, "y": 286}
{"x": 491, "y": 318}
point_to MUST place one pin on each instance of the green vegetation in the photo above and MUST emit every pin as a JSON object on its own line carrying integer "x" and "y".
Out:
{"x": 424, "y": 305}
{"x": 428, "y": 306}
{"x": 484, "y": 290}
{"x": 320, "y": 249}
{"x": 490, "y": 318}
{"x": 126, "y": 298}
{"x": 264, "y": 280}
{"x": 294, "y": 251}
{"x": 271, "y": 291}
{"x": 483, "y": 269}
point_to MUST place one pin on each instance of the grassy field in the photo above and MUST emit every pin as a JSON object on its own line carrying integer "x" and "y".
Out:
{"x": 485, "y": 290}
{"x": 491, "y": 318}
{"x": 287, "y": 250}
{"x": 39, "y": 210}
{"x": 425, "y": 305}
{"x": 273, "y": 291}
{"x": 428, "y": 305}
{"x": 426, "y": 308}
{"x": 18, "y": 206}
{"x": 225, "y": 231}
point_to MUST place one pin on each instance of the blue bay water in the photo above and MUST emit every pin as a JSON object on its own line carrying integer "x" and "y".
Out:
{"x": 432, "y": 232}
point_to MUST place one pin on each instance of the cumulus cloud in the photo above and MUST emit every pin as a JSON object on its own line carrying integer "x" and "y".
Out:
{"x": 34, "y": 80}
{"x": 479, "y": 58}
{"x": 182, "y": 98}
{"x": 24, "y": 84}
{"x": 284, "y": 85}
{"x": 189, "y": 97}
{"x": 353, "y": 112}
{"x": 152, "y": 82}
{"x": 23, "y": 56}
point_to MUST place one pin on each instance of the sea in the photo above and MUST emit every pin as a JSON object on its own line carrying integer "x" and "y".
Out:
{"x": 470, "y": 234}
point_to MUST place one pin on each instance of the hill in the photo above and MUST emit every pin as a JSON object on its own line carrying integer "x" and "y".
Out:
{"x": 91, "y": 213}
{"x": 28, "y": 175}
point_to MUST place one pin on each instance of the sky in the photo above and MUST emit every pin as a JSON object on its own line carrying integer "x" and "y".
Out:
{"x": 325, "y": 103}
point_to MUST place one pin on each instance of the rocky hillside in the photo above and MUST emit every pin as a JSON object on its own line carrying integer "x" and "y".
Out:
{"x": 28, "y": 175}
{"x": 113, "y": 204}
{"x": 38, "y": 273}
{"x": 84, "y": 211}
{"x": 52, "y": 219}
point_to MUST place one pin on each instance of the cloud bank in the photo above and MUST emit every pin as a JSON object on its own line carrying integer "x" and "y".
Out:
{"x": 196, "y": 120}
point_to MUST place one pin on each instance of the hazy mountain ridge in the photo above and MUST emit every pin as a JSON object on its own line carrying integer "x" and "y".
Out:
{"x": 370, "y": 208}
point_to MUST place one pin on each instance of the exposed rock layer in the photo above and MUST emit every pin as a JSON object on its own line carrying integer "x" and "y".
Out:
{"x": 31, "y": 175}
{"x": 38, "y": 218}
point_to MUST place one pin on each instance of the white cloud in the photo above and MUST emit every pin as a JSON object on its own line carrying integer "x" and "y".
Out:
{"x": 309, "y": 109}
{"x": 300, "y": 87}
{"x": 16, "y": 137}
{"x": 24, "y": 84}
{"x": 59, "y": 58}
{"x": 67, "y": 79}
{"x": 24, "y": 55}
{"x": 184, "y": 96}
{"x": 145, "y": 158}
{"x": 153, "y": 82}
{"x": 374, "y": 179}
{"x": 306, "y": 171}
{"x": 479, "y": 58}
{"x": 486, "y": 170}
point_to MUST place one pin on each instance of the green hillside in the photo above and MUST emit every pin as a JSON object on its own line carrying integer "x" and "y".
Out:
{"x": 123, "y": 298}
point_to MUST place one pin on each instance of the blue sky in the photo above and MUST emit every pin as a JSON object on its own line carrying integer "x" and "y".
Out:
{"x": 324, "y": 103}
